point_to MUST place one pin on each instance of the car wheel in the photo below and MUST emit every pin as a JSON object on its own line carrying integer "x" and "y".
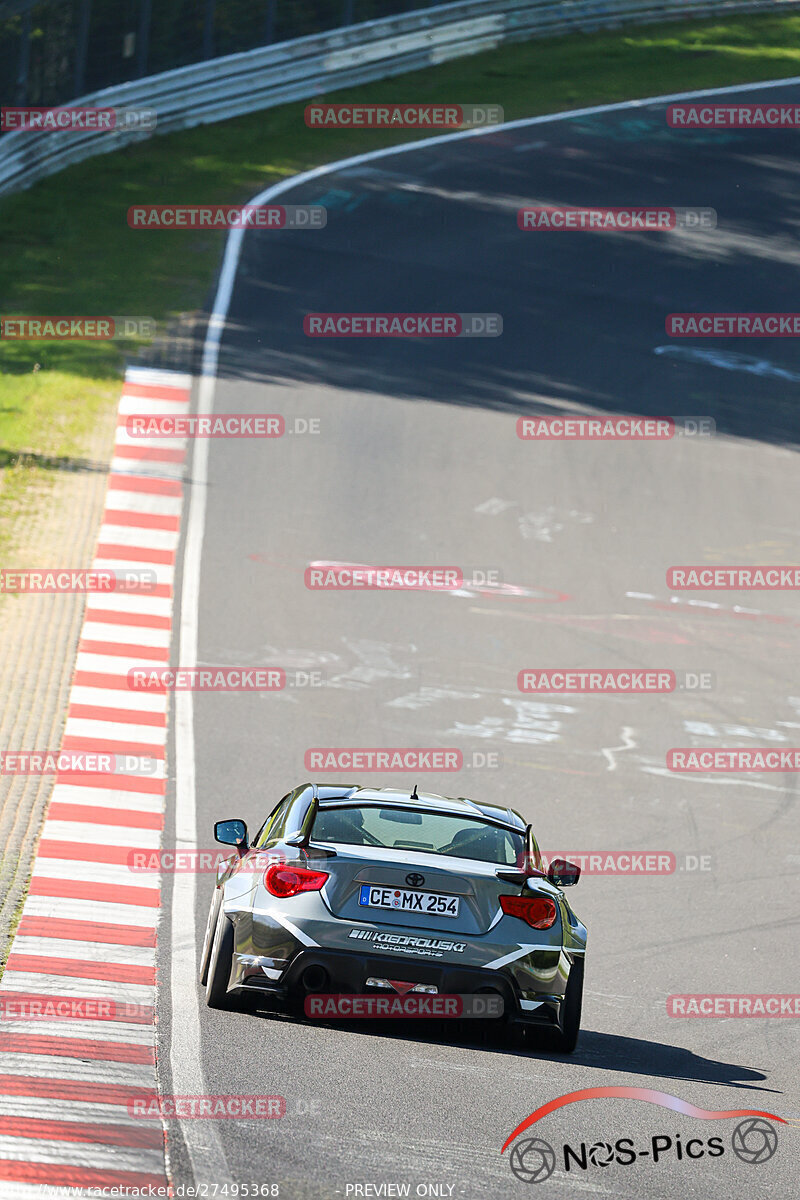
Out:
{"x": 219, "y": 967}
{"x": 567, "y": 1036}
{"x": 211, "y": 925}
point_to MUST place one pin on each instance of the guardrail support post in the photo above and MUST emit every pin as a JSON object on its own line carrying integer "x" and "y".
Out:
{"x": 24, "y": 59}
{"x": 208, "y": 29}
{"x": 269, "y": 22}
{"x": 81, "y": 45}
{"x": 347, "y": 12}
{"x": 145, "y": 13}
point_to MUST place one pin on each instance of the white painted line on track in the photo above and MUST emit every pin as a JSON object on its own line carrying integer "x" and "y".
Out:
{"x": 70, "y": 985}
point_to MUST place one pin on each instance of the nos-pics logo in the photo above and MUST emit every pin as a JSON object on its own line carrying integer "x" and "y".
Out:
{"x": 754, "y": 1140}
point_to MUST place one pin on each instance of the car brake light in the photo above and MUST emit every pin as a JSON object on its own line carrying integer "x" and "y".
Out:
{"x": 285, "y": 881}
{"x": 538, "y": 911}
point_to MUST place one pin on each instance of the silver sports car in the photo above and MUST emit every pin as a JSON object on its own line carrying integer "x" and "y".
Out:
{"x": 348, "y": 889}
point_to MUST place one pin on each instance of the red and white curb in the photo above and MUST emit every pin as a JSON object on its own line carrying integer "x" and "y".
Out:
{"x": 88, "y": 927}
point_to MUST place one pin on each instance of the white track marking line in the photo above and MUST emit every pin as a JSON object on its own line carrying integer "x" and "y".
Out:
{"x": 102, "y": 835}
{"x": 122, "y": 465}
{"x": 133, "y": 602}
{"x": 116, "y": 731}
{"x": 127, "y": 698}
{"x": 111, "y": 797}
{"x": 53, "y": 1109}
{"x": 84, "y": 952}
{"x": 134, "y": 406}
{"x": 91, "y": 910}
{"x": 68, "y": 985}
{"x": 162, "y": 573}
{"x": 133, "y": 535}
{"x": 57, "y": 1066}
{"x": 128, "y": 635}
{"x": 153, "y": 377}
{"x": 88, "y": 1029}
{"x": 80, "y": 871}
{"x": 114, "y": 664}
{"x": 148, "y": 503}
{"x": 83, "y": 1154}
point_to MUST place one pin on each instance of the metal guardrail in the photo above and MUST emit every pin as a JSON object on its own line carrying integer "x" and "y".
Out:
{"x": 307, "y": 67}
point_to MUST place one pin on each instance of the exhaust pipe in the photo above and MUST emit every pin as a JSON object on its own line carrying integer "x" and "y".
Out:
{"x": 315, "y": 979}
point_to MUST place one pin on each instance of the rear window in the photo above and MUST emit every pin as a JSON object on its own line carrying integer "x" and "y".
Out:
{"x": 413, "y": 829}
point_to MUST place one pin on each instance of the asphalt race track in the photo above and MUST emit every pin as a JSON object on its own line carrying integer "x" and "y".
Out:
{"x": 417, "y": 461}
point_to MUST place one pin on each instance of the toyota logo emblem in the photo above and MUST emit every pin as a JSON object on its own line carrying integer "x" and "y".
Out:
{"x": 415, "y": 879}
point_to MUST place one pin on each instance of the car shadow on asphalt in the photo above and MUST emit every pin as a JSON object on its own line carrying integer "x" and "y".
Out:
{"x": 660, "y": 1060}
{"x": 607, "y": 1052}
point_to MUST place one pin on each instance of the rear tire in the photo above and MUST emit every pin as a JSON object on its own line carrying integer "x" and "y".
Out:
{"x": 567, "y": 1033}
{"x": 208, "y": 940}
{"x": 220, "y": 964}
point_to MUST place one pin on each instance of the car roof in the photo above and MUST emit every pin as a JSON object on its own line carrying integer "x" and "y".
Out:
{"x": 337, "y": 795}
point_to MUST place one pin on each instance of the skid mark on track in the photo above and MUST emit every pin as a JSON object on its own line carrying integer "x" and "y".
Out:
{"x": 628, "y": 743}
{"x": 427, "y": 696}
{"x": 716, "y": 780}
{"x": 727, "y": 360}
{"x": 535, "y": 526}
{"x": 704, "y": 729}
{"x": 534, "y": 723}
{"x": 734, "y": 610}
{"x": 494, "y": 506}
{"x": 376, "y": 661}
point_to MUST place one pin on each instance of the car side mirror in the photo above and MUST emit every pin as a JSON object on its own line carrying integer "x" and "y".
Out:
{"x": 232, "y": 833}
{"x": 562, "y": 873}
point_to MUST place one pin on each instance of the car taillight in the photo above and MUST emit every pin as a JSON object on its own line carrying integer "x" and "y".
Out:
{"x": 538, "y": 911}
{"x": 286, "y": 881}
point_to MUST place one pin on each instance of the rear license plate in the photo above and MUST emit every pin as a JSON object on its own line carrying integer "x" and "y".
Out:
{"x": 429, "y": 903}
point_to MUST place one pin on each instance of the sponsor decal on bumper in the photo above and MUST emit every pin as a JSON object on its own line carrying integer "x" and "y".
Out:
{"x": 405, "y": 944}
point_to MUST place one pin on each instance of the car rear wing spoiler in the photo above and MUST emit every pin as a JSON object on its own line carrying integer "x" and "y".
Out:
{"x": 530, "y": 867}
{"x": 301, "y": 838}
